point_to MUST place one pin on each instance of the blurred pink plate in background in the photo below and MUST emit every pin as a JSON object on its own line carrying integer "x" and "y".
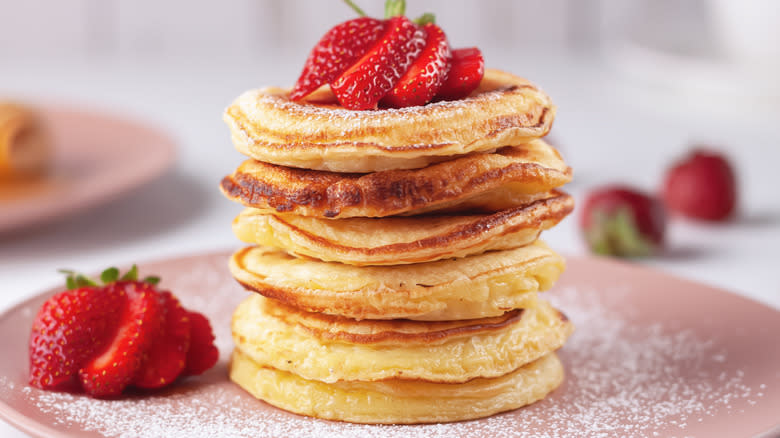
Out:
{"x": 97, "y": 158}
{"x": 653, "y": 355}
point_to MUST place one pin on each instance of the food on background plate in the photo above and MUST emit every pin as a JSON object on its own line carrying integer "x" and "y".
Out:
{"x": 622, "y": 221}
{"x": 101, "y": 337}
{"x": 701, "y": 186}
{"x": 25, "y": 145}
{"x": 395, "y": 198}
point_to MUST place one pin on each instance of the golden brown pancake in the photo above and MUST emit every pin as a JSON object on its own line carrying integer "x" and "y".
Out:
{"x": 25, "y": 146}
{"x": 477, "y": 286}
{"x": 330, "y": 348}
{"x": 398, "y": 401}
{"x": 510, "y": 177}
{"x": 505, "y": 110}
{"x": 402, "y": 240}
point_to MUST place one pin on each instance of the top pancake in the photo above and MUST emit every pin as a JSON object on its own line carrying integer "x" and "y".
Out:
{"x": 318, "y": 134}
{"x": 507, "y": 178}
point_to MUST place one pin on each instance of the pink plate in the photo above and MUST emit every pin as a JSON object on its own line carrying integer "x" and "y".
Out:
{"x": 97, "y": 157}
{"x": 653, "y": 355}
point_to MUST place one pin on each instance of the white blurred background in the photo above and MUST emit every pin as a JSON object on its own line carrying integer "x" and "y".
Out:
{"x": 637, "y": 84}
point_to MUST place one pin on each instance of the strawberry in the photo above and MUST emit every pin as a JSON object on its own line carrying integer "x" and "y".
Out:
{"x": 369, "y": 79}
{"x": 702, "y": 186}
{"x": 202, "y": 354}
{"x": 67, "y": 331}
{"x": 167, "y": 356}
{"x": 620, "y": 221}
{"x": 336, "y": 51}
{"x": 426, "y": 75}
{"x": 107, "y": 336}
{"x": 468, "y": 67}
{"x": 113, "y": 368}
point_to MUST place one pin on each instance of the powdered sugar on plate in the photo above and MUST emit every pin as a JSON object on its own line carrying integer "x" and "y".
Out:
{"x": 624, "y": 378}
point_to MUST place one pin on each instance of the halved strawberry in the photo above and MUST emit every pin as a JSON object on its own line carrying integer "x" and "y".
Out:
{"x": 367, "y": 81}
{"x": 468, "y": 67}
{"x": 115, "y": 365}
{"x": 167, "y": 356}
{"x": 69, "y": 328}
{"x": 336, "y": 51}
{"x": 426, "y": 75}
{"x": 203, "y": 354}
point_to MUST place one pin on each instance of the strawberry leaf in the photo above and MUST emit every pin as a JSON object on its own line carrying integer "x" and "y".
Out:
{"x": 355, "y": 8}
{"x": 424, "y": 19}
{"x": 110, "y": 275}
{"x": 394, "y": 8}
{"x": 83, "y": 280}
{"x": 70, "y": 282}
{"x": 153, "y": 280}
{"x": 131, "y": 275}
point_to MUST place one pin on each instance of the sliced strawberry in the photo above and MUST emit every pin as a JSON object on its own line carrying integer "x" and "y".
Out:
{"x": 426, "y": 75}
{"x": 336, "y": 51}
{"x": 468, "y": 67}
{"x": 67, "y": 331}
{"x": 167, "y": 356}
{"x": 139, "y": 321}
{"x": 203, "y": 354}
{"x": 367, "y": 81}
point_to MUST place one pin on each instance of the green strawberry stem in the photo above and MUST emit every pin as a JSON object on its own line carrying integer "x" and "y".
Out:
{"x": 74, "y": 280}
{"x": 355, "y": 8}
{"x": 394, "y": 8}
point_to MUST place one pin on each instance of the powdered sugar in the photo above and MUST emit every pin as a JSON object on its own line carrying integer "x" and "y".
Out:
{"x": 623, "y": 379}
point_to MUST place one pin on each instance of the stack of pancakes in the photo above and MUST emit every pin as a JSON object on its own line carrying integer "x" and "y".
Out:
{"x": 394, "y": 254}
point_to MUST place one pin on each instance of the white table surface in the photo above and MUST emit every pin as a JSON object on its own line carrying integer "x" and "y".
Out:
{"x": 610, "y": 129}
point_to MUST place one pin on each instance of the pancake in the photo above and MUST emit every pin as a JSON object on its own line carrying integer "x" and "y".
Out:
{"x": 477, "y": 286}
{"x": 510, "y": 177}
{"x": 504, "y": 110}
{"x": 401, "y": 240}
{"x": 25, "y": 146}
{"x": 267, "y": 126}
{"x": 398, "y": 401}
{"x": 329, "y": 348}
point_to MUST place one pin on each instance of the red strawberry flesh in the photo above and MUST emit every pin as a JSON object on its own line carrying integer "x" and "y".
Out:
{"x": 113, "y": 368}
{"x": 336, "y": 51}
{"x": 202, "y": 354}
{"x": 370, "y": 78}
{"x": 702, "y": 186}
{"x": 67, "y": 331}
{"x": 468, "y": 68}
{"x": 426, "y": 75}
{"x": 167, "y": 356}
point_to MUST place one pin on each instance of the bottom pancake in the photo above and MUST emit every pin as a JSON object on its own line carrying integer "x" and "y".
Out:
{"x": 398, "y": 401}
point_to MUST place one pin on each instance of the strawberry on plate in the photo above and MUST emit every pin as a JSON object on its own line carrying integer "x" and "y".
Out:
{"x": 166, "y": 358}
{"x": 466, "y": 72}
{"x": 426, "y": 75}
{"x": 111, "y": 369}
{"x": 701, "y": 186}
{"x": 202, "y": 354}
{"x": 102, "y": 338}
{"x": 621, "y": 221}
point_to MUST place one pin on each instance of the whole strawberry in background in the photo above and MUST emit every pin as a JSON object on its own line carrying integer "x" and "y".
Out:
{"x": 395, "y": 62}
{"x": 103, "y": 337}
{"x": 701, "y": 186}
{"x": 623, "y": 222}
